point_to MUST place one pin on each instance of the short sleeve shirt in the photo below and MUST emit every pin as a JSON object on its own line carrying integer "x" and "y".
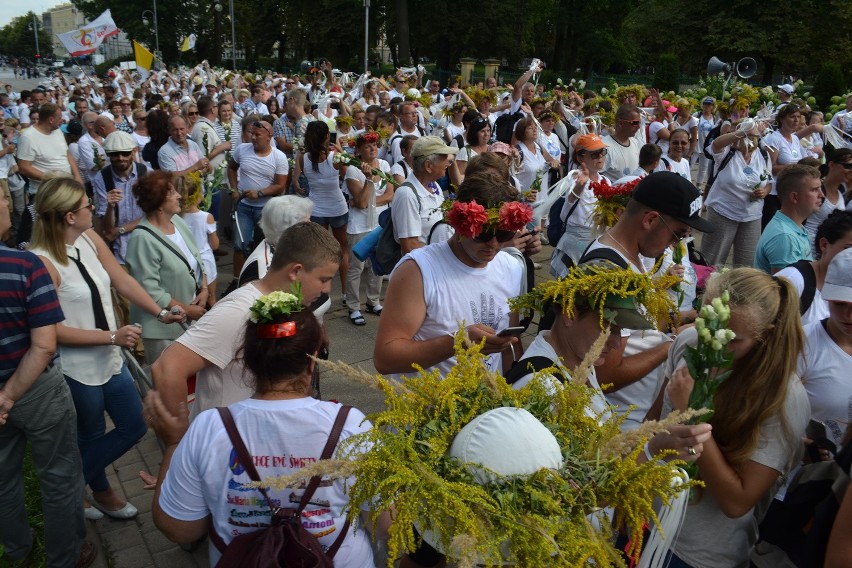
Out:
{"x": 782, "y": 243}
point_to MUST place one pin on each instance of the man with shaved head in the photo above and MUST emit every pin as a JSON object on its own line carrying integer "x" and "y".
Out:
{"x": 91, "y": 156}
{"x": 180, "y": 155}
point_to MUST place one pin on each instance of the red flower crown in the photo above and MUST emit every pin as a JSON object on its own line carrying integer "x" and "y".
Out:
{"x": 469, "y": 219}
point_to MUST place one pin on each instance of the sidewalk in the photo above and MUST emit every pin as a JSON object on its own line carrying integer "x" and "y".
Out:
{"x": 137, "y": 543}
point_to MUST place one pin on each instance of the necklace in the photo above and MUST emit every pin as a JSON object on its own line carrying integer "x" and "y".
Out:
{"x": 638, "y": 264}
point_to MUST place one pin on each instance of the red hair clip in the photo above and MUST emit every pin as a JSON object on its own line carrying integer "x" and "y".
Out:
{"x": 276, "y": 330}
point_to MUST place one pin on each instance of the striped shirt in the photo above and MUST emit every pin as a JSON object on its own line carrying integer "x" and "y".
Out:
{"x": 27, "y": 300}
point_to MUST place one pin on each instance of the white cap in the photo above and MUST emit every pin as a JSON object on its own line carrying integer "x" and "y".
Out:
{"x": 838, "y": 278}
{"x": 787, "y": 88}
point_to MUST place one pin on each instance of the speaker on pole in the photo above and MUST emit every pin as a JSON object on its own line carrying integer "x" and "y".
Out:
{"x": 716, "y": 66}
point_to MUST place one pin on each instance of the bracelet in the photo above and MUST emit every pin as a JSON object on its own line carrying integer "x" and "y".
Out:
{"x": 112, "y": 338}
{"x": 647, "y": 451}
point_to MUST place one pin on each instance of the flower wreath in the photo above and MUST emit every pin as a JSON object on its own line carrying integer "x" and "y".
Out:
{"x": 611, "y": 199}
{"x": 593, "y": 283}
{"x": 271, "y": 306}
{"x": 470, "y": 219}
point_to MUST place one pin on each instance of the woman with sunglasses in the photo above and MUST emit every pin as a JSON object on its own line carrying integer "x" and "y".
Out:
{"x": 190, "y": 113}
{"x": 836, "y": 178}
{"x": 734, "y": 203}
{"x": 83, "y": 268}
{"x": 676, "y": 160}
{"x": 590, "y": 156}
{"x": 477, "y": 141}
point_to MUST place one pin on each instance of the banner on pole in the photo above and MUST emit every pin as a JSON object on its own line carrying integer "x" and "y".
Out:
{"x": 87, "y": 39}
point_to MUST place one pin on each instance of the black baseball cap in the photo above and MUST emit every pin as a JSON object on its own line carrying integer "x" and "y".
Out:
{"x": 673, "y": 195}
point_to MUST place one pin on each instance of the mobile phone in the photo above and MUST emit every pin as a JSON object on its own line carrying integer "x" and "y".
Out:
{"x": 816, "y": 430}
{"x": 333, "y": 137}
{"x": 510, "y": 331}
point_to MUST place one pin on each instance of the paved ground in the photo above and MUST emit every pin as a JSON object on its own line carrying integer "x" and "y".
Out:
{"x": 137, "y": 543}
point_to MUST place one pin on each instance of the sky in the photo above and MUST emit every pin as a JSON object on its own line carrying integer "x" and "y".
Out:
{"x": 14, "y": 8}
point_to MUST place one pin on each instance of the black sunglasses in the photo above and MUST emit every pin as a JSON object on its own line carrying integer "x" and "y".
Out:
{"x": 260, "y": 124}
{"x": 632, "y": 122}
{"x": 501, "y": 236}
{"x": 125, "y": 154}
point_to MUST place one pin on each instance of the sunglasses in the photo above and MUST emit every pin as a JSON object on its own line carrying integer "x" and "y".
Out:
{"x": 263, "y": 125}
{"x": 480, "y": 120}
{"x": 89, "y": 205}
{"x": 632, "y": 122}
{"x": 677, "y": 238}
{"x": 596, "y": 154}
{"x": 501, "y": 236}
{"x": 124, "y": 154}
{"x": 847, "y": 166}
{"x": 192, "y": 113}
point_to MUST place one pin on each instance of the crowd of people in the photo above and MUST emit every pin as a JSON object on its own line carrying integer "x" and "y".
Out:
{"x": 118, "y": 191}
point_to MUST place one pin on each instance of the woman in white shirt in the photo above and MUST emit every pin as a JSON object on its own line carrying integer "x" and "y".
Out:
{"x": 535, "y": 161}
{"x": 734, "y": 203}
{"x": 837, "y": 175}
{"x": 477, "y": 141}
{"x": 675, "y": 160}
{"x": 371, "y": 195}
{"x": 83, "y": 268}
{"x": 323, "y": 174}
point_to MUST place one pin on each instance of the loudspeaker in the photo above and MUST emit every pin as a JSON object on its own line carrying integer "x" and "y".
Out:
{"x": 746, "y": 67}
{"x": 716, "y": 66}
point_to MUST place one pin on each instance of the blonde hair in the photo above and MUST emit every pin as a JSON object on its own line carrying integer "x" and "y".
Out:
{"x": 758, "y": 385}
{"x": 55, "y": 198}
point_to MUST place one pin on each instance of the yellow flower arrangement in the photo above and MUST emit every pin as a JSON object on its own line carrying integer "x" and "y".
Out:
{"x": 638, "y": 90}
{"x": 539, "y": 520}
{"x": 478, "y": 95}
{"x": 597, "y": 281}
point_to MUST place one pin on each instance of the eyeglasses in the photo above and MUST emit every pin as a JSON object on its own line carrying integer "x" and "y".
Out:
{"x": 598, "y": 153}
{"x": 124, "y": 154}
{"x": 263, "y": 125}
{"x": 847, "y": 166}
{"x": 677, "y": 238}
{"x": 89, "y": 205}
{"x": 631, "y": 122}
{"x": 501, "y": 236}
{"x": 190, "y": 113}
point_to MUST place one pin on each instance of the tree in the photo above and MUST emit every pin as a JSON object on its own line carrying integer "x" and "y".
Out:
{"x": 17, "y": 38}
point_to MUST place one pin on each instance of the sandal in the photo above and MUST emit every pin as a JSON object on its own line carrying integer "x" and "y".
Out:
{"x": 356, "y": 318}
{"x": 375, "y": 309}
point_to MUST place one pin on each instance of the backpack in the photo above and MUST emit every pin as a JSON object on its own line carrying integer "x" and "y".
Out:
{"x": 556, "y": 226}
{"x": 809, "y": 291}
{"x": 404, "y": 167}
{"x": 285, "y": 542}
{"x": 524, "y": 367}
{"x": 712, "y": 134}
{"x": 797, "y": 529}
{"x": 504, "y": 126}
{"x": 388, "y": 253}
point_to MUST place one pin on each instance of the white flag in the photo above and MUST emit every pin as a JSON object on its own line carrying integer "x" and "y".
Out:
{"x": 87, "y": 39}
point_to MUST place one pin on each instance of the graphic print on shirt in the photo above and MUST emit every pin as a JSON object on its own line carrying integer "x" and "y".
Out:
{"x": 252, "y": 511}
{"x": 489, "y": 311}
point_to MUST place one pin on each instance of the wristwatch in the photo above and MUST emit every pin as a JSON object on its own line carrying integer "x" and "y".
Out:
{"x": 122, "y": 230}
{"x": 163, "y": 313}
{"x": 260, "y": 193}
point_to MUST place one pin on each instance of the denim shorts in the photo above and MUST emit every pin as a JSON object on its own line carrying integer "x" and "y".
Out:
{"x": 334, "y": 222}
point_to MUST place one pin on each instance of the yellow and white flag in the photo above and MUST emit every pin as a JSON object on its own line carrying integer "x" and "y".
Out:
{"x": 188, "y": 43}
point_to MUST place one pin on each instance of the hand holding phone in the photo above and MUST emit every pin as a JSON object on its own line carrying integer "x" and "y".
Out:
{"x": 511, "y": 331}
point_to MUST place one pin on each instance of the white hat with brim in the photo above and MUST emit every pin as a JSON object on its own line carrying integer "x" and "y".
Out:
{"x": 838, "y": 278}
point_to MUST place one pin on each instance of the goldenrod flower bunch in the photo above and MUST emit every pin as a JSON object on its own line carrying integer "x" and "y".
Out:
{"x": 477, "y": 95}
{"x": 638, "y": 90}
{"x": 542, "y": 519}
{"x": 594, "y": 283}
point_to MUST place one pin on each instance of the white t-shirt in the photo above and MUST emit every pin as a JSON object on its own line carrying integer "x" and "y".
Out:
{"x": 413, "y": 217}
{"x": 582, "y": 215}
{"x": 324, "y": 186}
{"x": 540, "y": 347}
{"x": 531, "y": 165}
{"x": 680, "y": 167}
{"x": 788, "y": 152}
{"x": 221, "y": 383}
{"x": 818, "y": 310}
{"x": 824, "y": 368}
{"x": 206, "y": 478}
{"x": 455, "y": 292}
{"x": 620, "y": 160}
{"x": 367, "y": 219}
{"x": 394, "y": 153}
{"x": 178, "y": 241}
{"x": 732, "y": 189}
{"x": 47, "y": 153}
{"x": 814, "y": 220}
{"x": 553, "y": 146}
{"x": 258, "y": 172}
{"x": 654, "y": 135}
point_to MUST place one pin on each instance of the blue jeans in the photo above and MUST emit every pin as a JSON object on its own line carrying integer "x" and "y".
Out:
{"x": 247, "y": 219}
{"x": 45, "y": 418}
{"x": 119, "y": 397}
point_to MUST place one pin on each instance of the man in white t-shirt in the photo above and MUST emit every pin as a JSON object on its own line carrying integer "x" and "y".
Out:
{"x": 416, "y": 204}
{"x": 42, "y": 148}
{"x": 622, "y": 156}
{"x": 407, "y": 125}
{"x": 305, "y": 253}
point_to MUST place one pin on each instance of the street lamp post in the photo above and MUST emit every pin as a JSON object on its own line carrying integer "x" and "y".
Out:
{"x": 366, "y": 35}
{"x": 148, "y": 16}
{"x": 218, "y": 8}
{"x": 35, "y": 34}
